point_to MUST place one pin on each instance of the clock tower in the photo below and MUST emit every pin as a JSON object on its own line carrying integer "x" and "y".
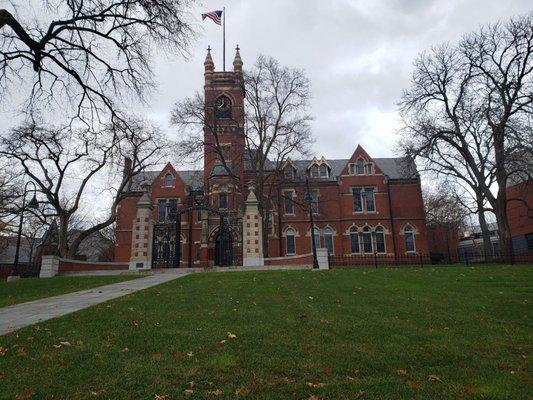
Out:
{"x": 224, "y": 142}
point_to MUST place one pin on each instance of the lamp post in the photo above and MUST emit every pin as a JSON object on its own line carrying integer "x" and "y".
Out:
{"x": 309, "y": 200}
{"x": 14, "y": 275}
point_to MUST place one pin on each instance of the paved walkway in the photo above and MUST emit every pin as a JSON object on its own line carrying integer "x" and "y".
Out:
{"x": 20, "y": 315}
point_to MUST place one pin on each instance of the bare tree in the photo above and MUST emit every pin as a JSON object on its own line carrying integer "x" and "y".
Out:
{"x": 88, "y": 53}
{"x": 276, "y": 126}
{"x": 466, "y": 111}
{"x": 66, "y": 163}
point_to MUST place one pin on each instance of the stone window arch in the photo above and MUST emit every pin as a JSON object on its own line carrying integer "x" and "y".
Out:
{"x": 324, "y": 171}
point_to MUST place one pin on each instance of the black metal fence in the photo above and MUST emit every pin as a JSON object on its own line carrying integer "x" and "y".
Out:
{"x": 426, "y": 259}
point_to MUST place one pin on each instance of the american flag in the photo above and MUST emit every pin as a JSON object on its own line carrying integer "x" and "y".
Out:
{"x": 213, "y": 15}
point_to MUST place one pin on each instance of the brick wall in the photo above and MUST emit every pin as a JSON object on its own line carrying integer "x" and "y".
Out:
{"x": 76, "y": 266}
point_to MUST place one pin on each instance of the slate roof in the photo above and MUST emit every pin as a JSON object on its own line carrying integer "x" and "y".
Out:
{"x": 394, "y": 168}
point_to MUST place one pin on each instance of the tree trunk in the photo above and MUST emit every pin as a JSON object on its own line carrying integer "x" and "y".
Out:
{"x": 62, "y": 245}
{"x": 504, "y": 232}
{"x": 485, "y": 231}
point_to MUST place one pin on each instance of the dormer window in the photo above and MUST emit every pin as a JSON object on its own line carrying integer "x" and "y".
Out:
{"x": 289, "y": 172}
{"x": 324, "y": 171}
{"x": 314, "y": 171}
{"x": 169, "y": 179}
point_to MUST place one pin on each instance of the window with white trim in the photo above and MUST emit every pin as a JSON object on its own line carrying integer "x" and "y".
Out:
{"x": 380, "y": 239}
{"x": 328, "y": 240}
{"x": 363, "y": 199}
{"x": 354, "y": 240}
{"x": 367, "y": 240}
{"x": 409, "y": 239}
{"x": 169, "y": 180}
{"x": 290, "y": 241}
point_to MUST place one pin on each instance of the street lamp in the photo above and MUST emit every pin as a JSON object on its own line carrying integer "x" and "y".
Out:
{"x": 309, "y": 201}
{"x": 33, "y": 204}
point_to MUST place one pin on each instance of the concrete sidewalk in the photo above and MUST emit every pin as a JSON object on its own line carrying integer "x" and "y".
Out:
{"x": 20, "y": 315}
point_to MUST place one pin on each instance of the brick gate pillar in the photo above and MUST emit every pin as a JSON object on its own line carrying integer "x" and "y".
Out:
{"x": 252, "y": 233}
{"x": 141, "y": 241}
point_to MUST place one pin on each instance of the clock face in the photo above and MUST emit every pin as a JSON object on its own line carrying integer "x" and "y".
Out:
{"x": 223, "y": 103}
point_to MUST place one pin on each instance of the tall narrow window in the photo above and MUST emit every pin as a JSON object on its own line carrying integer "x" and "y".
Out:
{"x": 222, "y": 200}
{"x": 288, "y": 204}
{"x": 161, "y": 210}
{"x": 354, "y": 240}
{"x": 328, "y": 240}
{"x": 367, "y": 240}
{"x": 409, "y": 239}
{"x": 198, "y": 251}
{"x": 314, "y": 201}
{"x": 380, "y": 240}
{"x": 317, "y": 238}
{"x": 368, "y": 169}
{"x": 360, "y": 167}
{"x": 369, "y": 199}
{"x": 168, "y": 180}
{"x": 172, "y": 209}
{"x": 290, "y": 241}
{"x": 357, "y": 203}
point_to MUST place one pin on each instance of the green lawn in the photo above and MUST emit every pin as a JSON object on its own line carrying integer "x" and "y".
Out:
{"x": 36, "y": 288}
{"x": 432, "y": 334}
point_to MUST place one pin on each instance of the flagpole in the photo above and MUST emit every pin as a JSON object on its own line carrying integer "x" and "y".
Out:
{"x": 224, "y": 38}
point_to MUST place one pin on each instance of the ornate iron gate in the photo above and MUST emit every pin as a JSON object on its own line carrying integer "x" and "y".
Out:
{"x": 165, "y": 248}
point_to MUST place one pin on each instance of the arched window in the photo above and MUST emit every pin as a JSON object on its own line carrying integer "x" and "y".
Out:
{"x": 317, "y": 238}
{"x": 328, "y": 239}
{"x": 290, "y": 241}
{"x": 409, "y": 239}
{"x": 360, "y": 167}
{"x": 354, "y": 240}
{"x": 367, "y": 240}
{"x": 324, "y": 171}
{"x": 223, "y": 198}
{"x": 380, "y": 240}
{"x": 169, "y": 179}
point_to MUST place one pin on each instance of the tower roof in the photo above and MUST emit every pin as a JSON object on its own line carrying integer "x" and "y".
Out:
{"x": 209, "y": 65}
{"x": 237, "y": 61}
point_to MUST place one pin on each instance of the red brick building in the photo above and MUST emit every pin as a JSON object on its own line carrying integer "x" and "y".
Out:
{"x": 520, "y": 215}
{"x": 362, "y": 205}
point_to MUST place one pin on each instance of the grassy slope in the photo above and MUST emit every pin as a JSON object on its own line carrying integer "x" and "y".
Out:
{"x": 35, "y": 288}
{"x": 458, "y": 333}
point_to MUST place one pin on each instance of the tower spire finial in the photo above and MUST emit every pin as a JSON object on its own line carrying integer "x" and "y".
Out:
{"x": 237, "y": 62}
{"x": 209, "y": 65}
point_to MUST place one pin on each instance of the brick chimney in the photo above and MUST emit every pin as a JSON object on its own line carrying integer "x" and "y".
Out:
{"x": 127, "y": 166}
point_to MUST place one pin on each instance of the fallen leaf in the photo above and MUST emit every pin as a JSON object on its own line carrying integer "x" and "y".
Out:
{"x": 65, "y": 343}
{"x": 157, "y": 356}
{"x": 401, "y": 372}
{"x": 188, "y": 391}
{"x": 232, "y": 335}
{"x": 313, "y": 397}
{"x": 470, "y": 389}
{"x": 217, "y": 392}
{"x": 223, "y": 341}
{"x": 350, "y": 378}
{"x": 434, "y": 378}
{"x": 3, "y": 351}
{"x": 161, "y": 397}
{"x": 359, "y": 394}
{"x": 412, "y": 384}
{"x": 315, "y": 385}
{"x": 25, "y": 394}
{"x": 189, "y": 354}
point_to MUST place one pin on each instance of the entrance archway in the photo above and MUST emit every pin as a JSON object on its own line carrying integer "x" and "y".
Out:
{"x": 223, "y": 248}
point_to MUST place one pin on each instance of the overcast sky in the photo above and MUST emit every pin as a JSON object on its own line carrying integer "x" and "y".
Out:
{"x": 358, "y": 55}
